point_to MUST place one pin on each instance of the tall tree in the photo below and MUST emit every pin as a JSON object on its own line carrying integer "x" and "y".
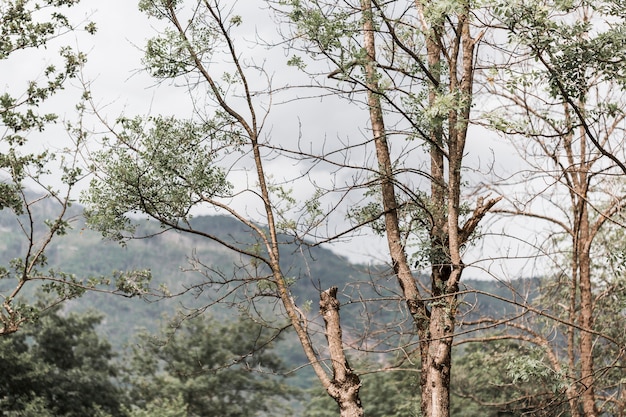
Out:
{"x": 415, "y": 63}
{"x": 564, "y": 97}
{"x": 166, "y": 167}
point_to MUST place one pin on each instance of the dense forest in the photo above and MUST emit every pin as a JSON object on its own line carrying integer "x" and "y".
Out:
{"x": 311, "y": 207}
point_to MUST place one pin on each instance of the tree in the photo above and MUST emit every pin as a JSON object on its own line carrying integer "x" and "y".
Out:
{"x": 165, "y": 167}
{"x": 229, "y": 368}
{"x": 59, "y": 366}
{"x": 414, "y": 62}
{"x": 563, "y": 98}
{"x": 38, "y": 178}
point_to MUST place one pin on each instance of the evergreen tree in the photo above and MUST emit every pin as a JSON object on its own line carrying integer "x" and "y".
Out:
{"x": 208, "y": 368}
{"x": 58, "y": 366}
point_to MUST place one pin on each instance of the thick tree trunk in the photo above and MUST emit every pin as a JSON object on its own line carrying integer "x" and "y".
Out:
{"x": 399, "y": 260}
{"x": 436, "y": 361}
{"x": 435, "y": 326}
{"x": 434, "y": 384}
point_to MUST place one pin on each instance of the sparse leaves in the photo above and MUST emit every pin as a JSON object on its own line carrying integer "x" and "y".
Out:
{"x": 30, "y": 25}
{"x": 576, "y": 51}
{"x": 326, "y": 28}
{"x": 167, "y": 56}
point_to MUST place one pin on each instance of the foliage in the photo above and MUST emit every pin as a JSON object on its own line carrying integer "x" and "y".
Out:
{"x": 505, "y": 378}
{"x": 26, "y": 166}
{"x": 503, "y": 374}
{"x": 59, "y": 366}
{"x": 200, "y": 364}
{"x": 161, "y": 408}
{"x": 161, "y": 166}
{"x": 577, "y": 52}
{"x": 415, "y": 65}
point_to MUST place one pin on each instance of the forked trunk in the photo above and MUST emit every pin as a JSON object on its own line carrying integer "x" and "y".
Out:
{"x": 435, "y": 326}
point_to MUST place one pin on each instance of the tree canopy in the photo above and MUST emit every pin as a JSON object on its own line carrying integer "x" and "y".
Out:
{"x": 229, "y": 369}
{"x": 59, "y": 366}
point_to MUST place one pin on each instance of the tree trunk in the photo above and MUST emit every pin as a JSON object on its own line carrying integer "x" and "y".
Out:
{"x": 586, "y": 317}
{"x": 345, "y": 385}
{"x": 436, "y": 345}
{"x": 435, "y": 326}
{"x": 582, "y": 240}
{"x": 399, "y": 260}
{"x": 572, "y": 394}
{"x": 436, "y": 361}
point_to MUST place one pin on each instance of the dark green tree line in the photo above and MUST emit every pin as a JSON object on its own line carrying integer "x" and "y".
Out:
{"x": 208, "y": 367}
{"x": 59, "y": 366}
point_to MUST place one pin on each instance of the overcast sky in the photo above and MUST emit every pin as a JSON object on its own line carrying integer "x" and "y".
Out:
{"x": 119, "y": 86}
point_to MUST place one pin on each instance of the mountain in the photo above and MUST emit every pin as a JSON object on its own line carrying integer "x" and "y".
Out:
{"x": 167, "y": 255}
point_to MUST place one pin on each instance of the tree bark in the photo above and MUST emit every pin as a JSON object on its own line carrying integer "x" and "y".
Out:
{"x": 435, "y": 326}
{"x": 586, "y": 317}
{"x": 345, "y": 384}
{"x": 581, "y": 241}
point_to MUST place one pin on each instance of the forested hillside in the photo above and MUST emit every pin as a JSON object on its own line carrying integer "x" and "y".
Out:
{"x": 476, "y": 150}
{"x": 133, "y": 321}
{"x": 169, "y": 255}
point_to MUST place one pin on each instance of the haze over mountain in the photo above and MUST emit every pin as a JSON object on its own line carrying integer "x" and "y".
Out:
{"x": 167, "y": 254}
